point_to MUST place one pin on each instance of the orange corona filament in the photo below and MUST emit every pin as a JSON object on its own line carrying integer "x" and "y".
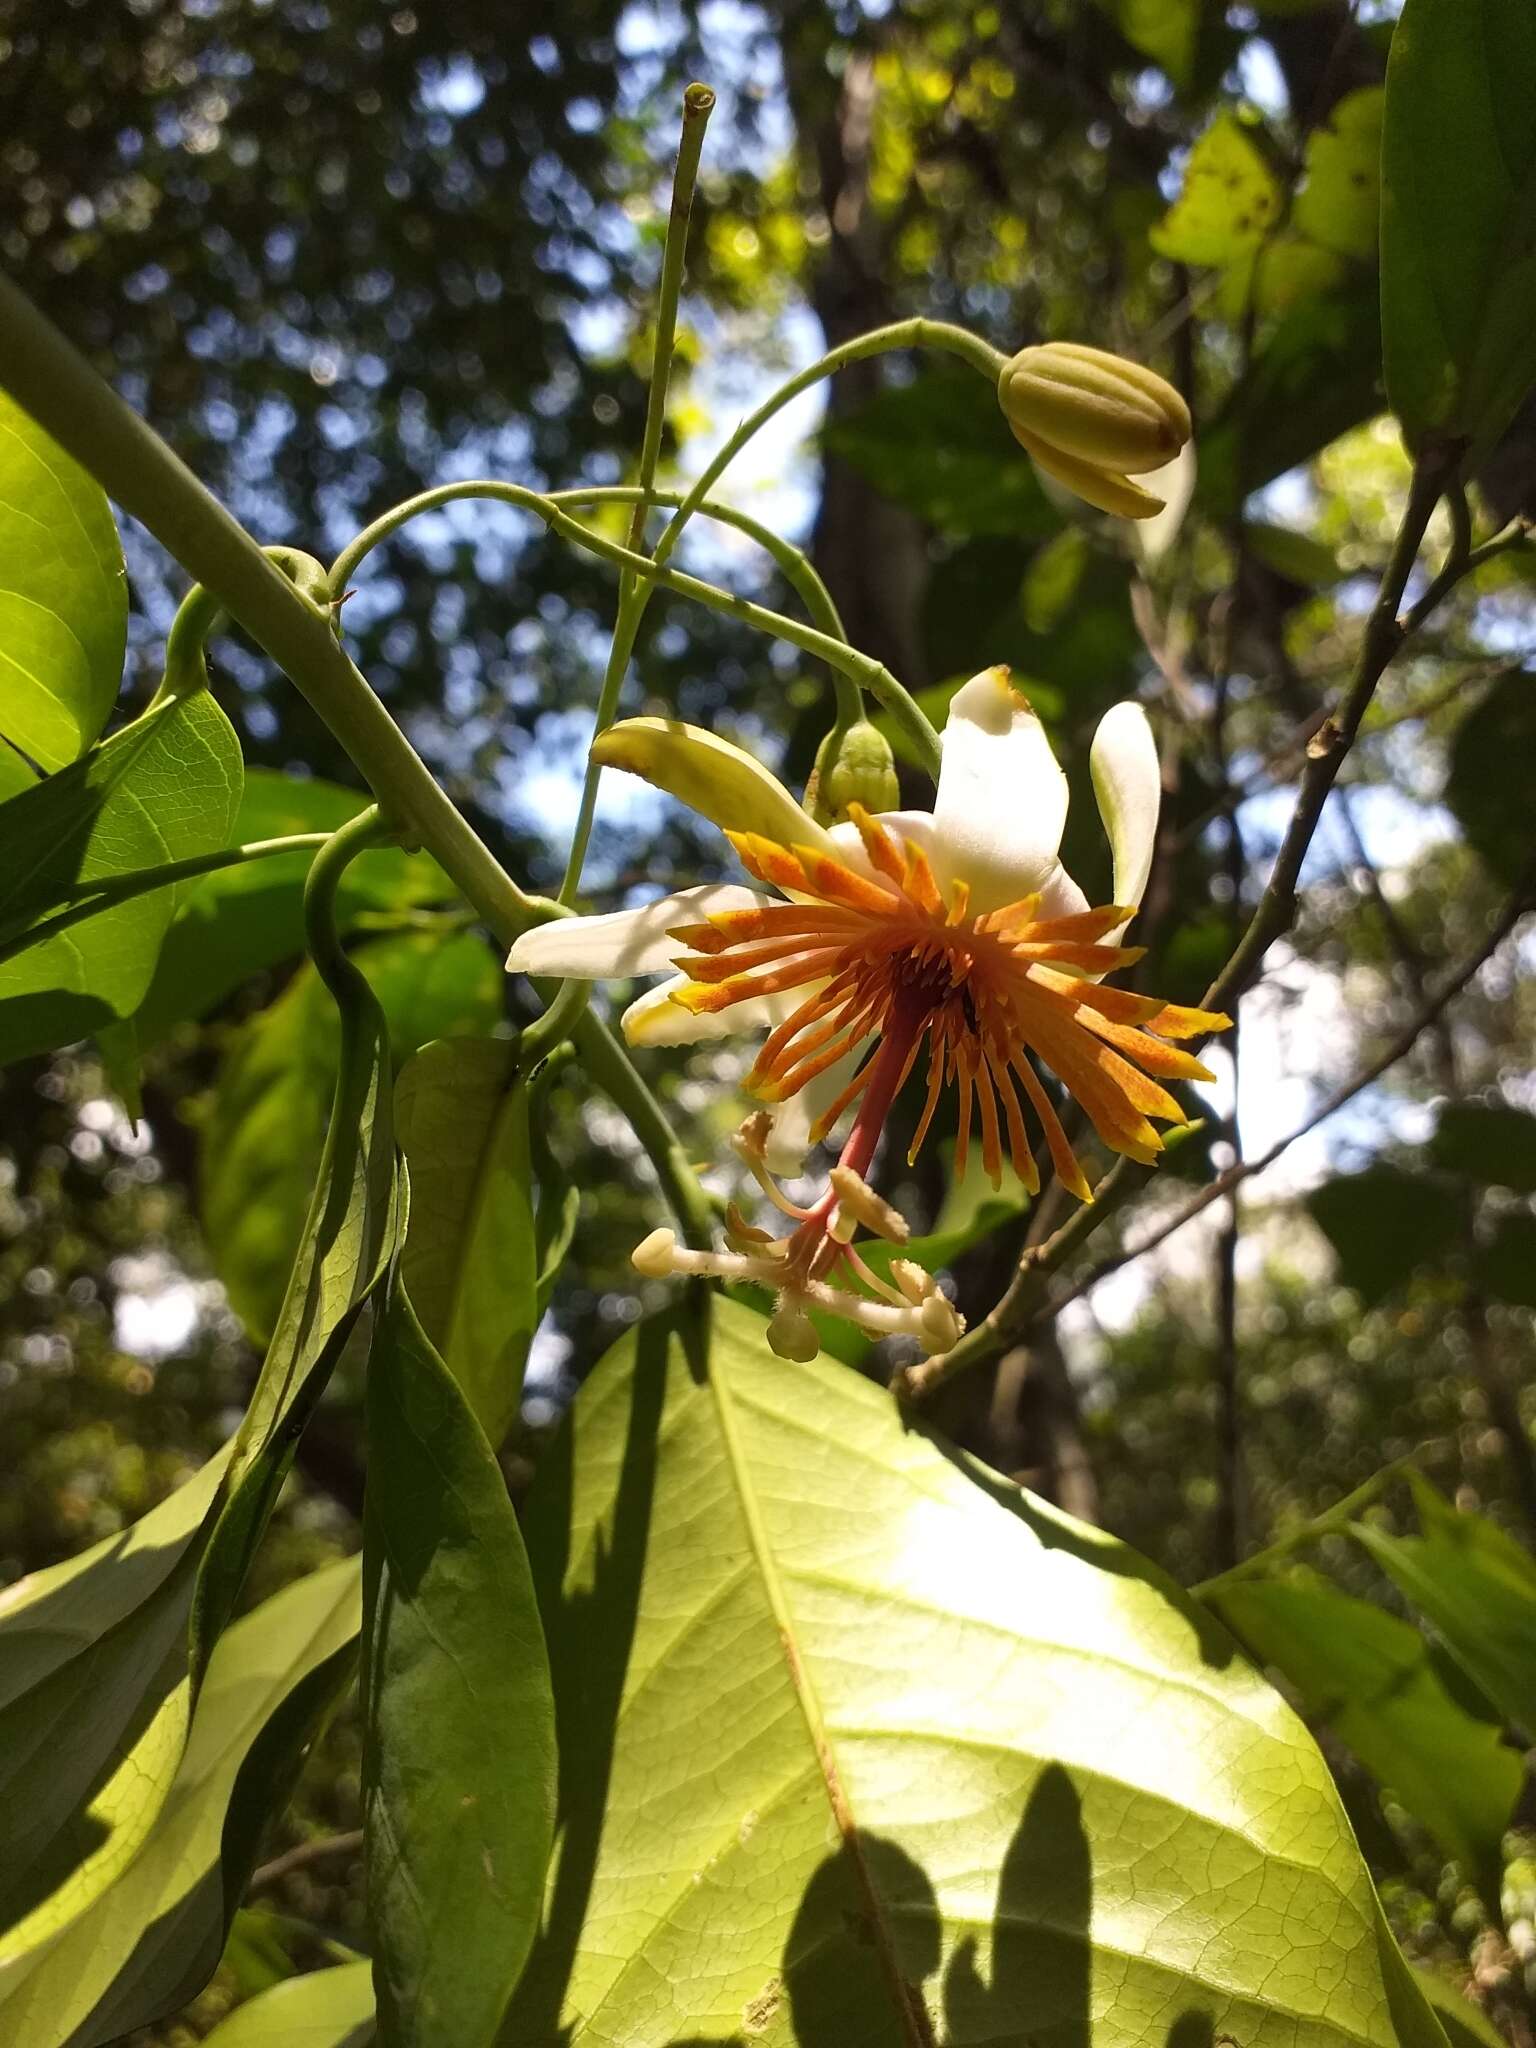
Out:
{"x": 887, "y": 958}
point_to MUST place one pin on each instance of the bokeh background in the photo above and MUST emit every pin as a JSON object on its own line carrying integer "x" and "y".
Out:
{"x": 338, "y": 251}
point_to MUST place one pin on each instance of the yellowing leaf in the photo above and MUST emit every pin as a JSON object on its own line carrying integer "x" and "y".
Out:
{"x": 1229, "y": 201}
{"x": 1339, "y": 204}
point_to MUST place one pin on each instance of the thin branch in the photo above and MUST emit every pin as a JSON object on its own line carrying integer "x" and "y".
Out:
{"x": 321, "y": 1850}
{"x": 1519, "y": 906}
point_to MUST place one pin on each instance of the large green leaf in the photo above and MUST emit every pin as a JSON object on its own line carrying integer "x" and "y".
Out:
{"x": 1388, "y": 1696}
{"x": 1489, "y": 1142}
{"x": 94, "y": 1708}
{"x": 326, "y": 2009}
{"x": 63, "y": 598}
{"x": 1476, "y": 1588}
{"x": 162, "y": 789}
{"x": 459, "y": 1751}
{"x": 1458, "y": 227}
{"x": 240, "y": 920}
{"x": 471, "y": 1260}
{"x": 1386, "y": 1226}
{"x": 1492, "y": 806}
{"x": 154, "y": 1938}
{"x": 262, "y": 1138}
{"x": 859, "y": 1745}
{"x": 939, "y": 446}
{"x": 1316, "y": 374}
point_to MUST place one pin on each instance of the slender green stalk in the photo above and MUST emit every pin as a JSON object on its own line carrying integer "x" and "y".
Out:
{"x": 698, "y": 102}
{"x": 1333, "y": 1521}
{"x": 321, "y": 935}
{"x": 93, "y": 897}
{"x": 904, "y": 709}
{"x": 794, "y": 563}
{"x": 934, "y": 334}
{"x": 698, "y": 105}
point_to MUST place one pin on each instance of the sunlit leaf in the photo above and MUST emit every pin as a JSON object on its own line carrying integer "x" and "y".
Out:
{"x": 1167, "y": 31}
{"x": 459, "y": 1755}
{"x": 1228, "y": 202}
{"x": 162, "y": 789}
{"x": 1458, "y": 231}
{"x": 154, "y": 1938}
{"x": 63, "y": 598}
{"x": 326, "y": 2009}
{"x": 859, "y": 1744}
{"x": 1387, "y": 1696}
{"x": 1339, "y": 203}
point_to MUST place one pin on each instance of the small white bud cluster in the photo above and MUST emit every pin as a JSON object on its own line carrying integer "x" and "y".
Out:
{"x": 909, "y": 1304}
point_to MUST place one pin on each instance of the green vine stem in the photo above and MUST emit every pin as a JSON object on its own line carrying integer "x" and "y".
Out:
{"x": 93, "y": 897}
{"x": 55, "y": 384}
{"x": 321, "y": 935}
{"x": 905, "y": 711}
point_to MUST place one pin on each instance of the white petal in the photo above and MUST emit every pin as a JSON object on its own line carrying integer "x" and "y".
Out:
{"x": 789, "y": 1138}
{"x": 918, "y": 826}
{"x": 625, "y": 941}
{"x": 1060, "y": 896}
{"x": 1002, "y": 800}
{"x": 654, "y": 1019}
{"x": 1128, "y": 782}
{"x": 1174, "y": 483}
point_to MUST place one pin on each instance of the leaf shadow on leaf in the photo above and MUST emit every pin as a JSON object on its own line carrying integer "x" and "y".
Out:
{"x": 841, "y": 1963}
{"x": 588, "y": 1679}
{"x": 65, "y": 1854}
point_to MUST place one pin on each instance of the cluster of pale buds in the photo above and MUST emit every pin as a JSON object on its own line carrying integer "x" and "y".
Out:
{"x": 816, "y": 1265}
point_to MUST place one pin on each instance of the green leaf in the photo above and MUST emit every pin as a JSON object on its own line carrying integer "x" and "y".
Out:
{"x": 940, "y": 446}
{"x": 1386, "y": 1226}
{"x": 162, "y": 789}
{"x": 1167, "y": 31}
{"x": 1492, "y": 806}
{"x": 154, "y": 1938}
{"x": 1505, "y": 1265}
{"x": 471, "y": 1259}
{"x": 1382, "y": 1689}
{"x": 326, "y": 2009}
{"x": 1296, "y": 556}
{"x": 238, "y": 921}
{"x": 1229, "y": 200}
{"x": 459, "y": 1750}
{"x": 63, "y": 597}
{"x": 1316, "y": 374}
{"x": 1476, "y": 1588}
{"x": 1339, "y": 204}
{"x": 1489, "y": 1142}
{"x": 94, "y": 1709}
{"x": 262, "y": 1138}
{"x": 1458, "y": 228}
{"x": 859, "y": 1743}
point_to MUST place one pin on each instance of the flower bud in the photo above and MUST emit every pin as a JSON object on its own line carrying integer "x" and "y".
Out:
{"x": 853, "y": 767}
{"x": 1092, "y": 420}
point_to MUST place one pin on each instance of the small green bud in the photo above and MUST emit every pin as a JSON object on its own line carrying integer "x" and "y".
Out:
{"x": 853, "y": 767}
{"x": 1093, "y": 420}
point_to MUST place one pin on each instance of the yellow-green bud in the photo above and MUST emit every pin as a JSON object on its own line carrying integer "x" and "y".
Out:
{"x": 1093, "y": 420}
{"x": 854, "y": 767}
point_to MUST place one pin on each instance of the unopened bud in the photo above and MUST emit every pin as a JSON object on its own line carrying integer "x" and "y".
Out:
{"x": 654, "y": 1255}
{"x": 792, "y": 1334}
{"x": 1092, "y": 420}
{"x": 856, "y": 1198}
{"x": 853, "y": 767}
